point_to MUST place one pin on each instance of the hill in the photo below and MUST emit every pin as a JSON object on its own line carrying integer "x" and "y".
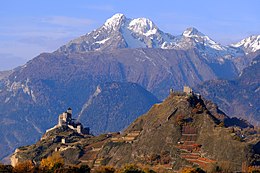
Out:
{"x": 183, "y": 130}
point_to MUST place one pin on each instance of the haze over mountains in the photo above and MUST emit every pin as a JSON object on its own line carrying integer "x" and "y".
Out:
{"x": 123, "y": 51}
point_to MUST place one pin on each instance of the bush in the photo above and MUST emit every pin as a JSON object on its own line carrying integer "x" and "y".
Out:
{"x": 131, "y": 169}
{"x": 52, "y": 162}
{"x": 26, "y": 166}
{"x": 105, "y": 169}
{"x": 192, "y": 170}
{"x": 84, "y": 169}
{"x": 6, "y": 168}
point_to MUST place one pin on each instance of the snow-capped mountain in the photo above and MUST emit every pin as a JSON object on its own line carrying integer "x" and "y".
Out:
{"x": 249, "y": 45}
{"x": 121, "y": 32}
{"x": 192, "y": 38}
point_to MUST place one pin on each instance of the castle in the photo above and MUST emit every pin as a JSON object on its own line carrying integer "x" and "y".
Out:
{"x": 65, "y": 119}
{"x": 187, "y": 90}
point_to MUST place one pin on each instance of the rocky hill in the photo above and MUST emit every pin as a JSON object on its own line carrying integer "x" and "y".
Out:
{"x": 239, "y": 97}
{"x": 183, "y": 130}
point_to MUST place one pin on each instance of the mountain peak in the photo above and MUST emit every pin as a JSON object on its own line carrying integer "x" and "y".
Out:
{"x": 143, "y": 26}
{"x": 249, "y": 44}
{"x": 115, "y": 21}
{"x": 191, "y": 31}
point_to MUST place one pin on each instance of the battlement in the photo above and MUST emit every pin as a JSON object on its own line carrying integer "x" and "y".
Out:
{"x": 65, "y": 119}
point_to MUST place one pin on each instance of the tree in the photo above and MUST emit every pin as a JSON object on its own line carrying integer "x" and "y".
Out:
{"x": 131, "y": 169}
{"x": 22, "y": 167}
{"x": 105, "y": 169}
{"x": 54, "y": 161}
{"x": 84, "y": 169}
{"x": 6, "y": 168}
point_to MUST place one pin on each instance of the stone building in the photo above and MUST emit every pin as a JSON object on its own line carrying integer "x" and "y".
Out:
{"x": 187, "y": 90}
{"x": 65, "y": 119}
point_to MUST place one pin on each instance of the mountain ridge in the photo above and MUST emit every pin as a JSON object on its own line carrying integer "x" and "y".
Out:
{"x": 143, "y": 33}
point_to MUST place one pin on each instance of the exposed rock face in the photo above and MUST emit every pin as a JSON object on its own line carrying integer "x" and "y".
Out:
{"x": 14, "y": 159}
{"x": 182, "y": 130}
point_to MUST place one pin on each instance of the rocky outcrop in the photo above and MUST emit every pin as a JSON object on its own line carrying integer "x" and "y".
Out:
{"x": 14, "y": 158}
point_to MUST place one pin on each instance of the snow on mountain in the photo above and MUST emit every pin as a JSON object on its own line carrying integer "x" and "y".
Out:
{"x": 199, "y": 37}
{"x": 122, "y": 32}
{"x": 212, "y": 51}
{"x": 114, "y": 22}
{"x": 249, "y": 45}
{"x": 143, "y": 26}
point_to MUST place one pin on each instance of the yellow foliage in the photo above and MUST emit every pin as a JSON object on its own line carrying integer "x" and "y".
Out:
{"x": 192, "y": 170}
{"x": 252, "y": 169}
{"x": 187, "y": 170}
{"x": 50, "y": 161}
{"x": 26, "y": 166}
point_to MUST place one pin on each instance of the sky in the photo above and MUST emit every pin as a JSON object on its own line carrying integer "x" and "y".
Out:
{"x": 30, "y": 27}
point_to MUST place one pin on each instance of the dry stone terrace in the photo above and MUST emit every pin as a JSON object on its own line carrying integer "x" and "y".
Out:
{"x": 190, "y": 150}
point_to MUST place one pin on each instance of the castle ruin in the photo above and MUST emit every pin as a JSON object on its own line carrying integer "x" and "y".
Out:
{"x": 65, "y": 119}
{"x": 187, "y": 90}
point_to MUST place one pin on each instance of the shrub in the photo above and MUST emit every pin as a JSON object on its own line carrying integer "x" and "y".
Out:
{"x": 26, "y": 166}
{"x": 6, "y": 168}
{"x": 131, "y": 169}
{"x": 84, "y": 169}
{"x": 54, "y": 161}
{"x": 192, "y": 170}
{"x": 105, "y": 169}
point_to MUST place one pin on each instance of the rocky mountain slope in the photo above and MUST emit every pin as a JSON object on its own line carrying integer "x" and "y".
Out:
{"x": 184, "y": 130}
{"x": 122, "y": 50}
{"x": 240, "y": 96}
{"x": 4, "y": 74}
{"x": 117, "y": 105}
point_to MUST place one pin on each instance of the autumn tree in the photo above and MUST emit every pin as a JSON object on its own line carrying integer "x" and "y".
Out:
{"x": 22, "y": 167}
{"x": 54, "y": 161}
{"x": 105, "y": 169}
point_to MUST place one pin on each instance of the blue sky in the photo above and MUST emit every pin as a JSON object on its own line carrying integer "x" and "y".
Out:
{"x": 29, "y": 27}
